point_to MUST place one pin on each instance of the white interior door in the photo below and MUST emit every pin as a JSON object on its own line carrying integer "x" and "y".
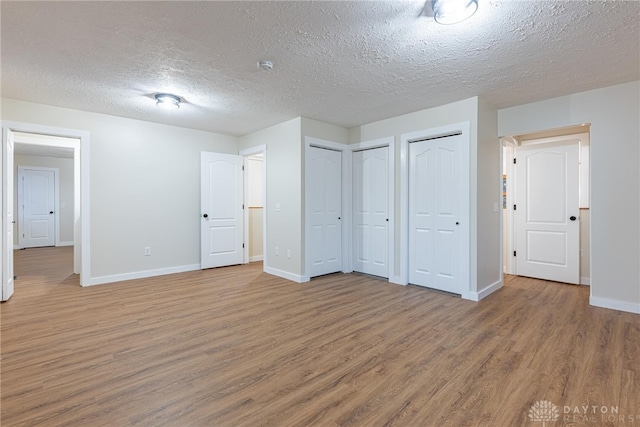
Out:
{"x": 324, "y": 172}
{"x": 7, "y": 214}
{"x": 371, "y": 211}
{"x": 547, "y": 214}
{"x": 221, "y": 224}
{"x": 37, "y": 188}
{"x": 438, "y": 214}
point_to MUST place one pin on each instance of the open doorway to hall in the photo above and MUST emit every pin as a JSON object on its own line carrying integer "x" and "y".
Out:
{"x": 545, "y": 201}
{"x": 45, "y": 210}
{"x": 254, "y": 201}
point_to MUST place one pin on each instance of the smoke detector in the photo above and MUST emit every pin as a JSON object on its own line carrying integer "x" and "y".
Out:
{"x": 265, "y": 65}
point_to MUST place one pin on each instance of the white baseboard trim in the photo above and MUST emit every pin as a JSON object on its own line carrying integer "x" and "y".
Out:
{"x": 100, "y": 280}
{"x": 585, "y": 281}
{"x": 64, "y": 244}
{"x": 397, "y": 280}
{"x": 612, "y": 304}
{"x": 285, "y": 275}
{"x": 477, "y": 296}
{"x": 256, "y": 258}
{"x": 16, "y": 247}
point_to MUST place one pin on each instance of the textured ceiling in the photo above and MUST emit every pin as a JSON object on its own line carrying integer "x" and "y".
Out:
{"x": 341, "y": 62}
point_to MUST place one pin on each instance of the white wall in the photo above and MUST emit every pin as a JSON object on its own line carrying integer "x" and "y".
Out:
{"x": 614, "y": 115}
{"x": 144, "y": 186}
{"x": 489, "y": 196}
{"x": 284, "y": 188}
{"x": 256, "y": 234}
{"x": 320, "y": 130}
{"x": 65, "y": 184}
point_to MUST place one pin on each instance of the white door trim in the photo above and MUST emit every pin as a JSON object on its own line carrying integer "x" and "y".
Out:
{"x": 245, "y": 153}
{"x": 464, "y": 128}
{"x": 509, "y": 267}
{"x": 56, "y": 201}
{"x": 368, "y": 145}
{"x": 346, "y": 202}
{"x": 81, "y": 173}
{"x": 7, "y": 274}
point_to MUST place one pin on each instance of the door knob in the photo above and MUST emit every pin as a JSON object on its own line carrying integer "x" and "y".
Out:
{"x": 50, "y": 212}
{"x": 572, "y": 218}
{"x": 457, "y": 223}
{"x": 205, "y": 216}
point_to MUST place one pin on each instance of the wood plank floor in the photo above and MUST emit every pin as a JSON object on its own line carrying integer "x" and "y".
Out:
{"x": 238, "y": 347}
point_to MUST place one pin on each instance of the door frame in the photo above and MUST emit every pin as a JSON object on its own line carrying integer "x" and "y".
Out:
{"x": 56, "y": 202}
{"x": 260, "y": 149}
{"x": 389, "y": 142}
{"x": 346, "y": 202}
{"x": 81, "y": 177}
{"x": 582, "y": 137}
{"x": 443, "y": 131}
{"x": 509, "y": 146}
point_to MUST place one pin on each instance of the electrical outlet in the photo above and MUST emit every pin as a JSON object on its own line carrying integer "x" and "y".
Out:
{"x": 277, "y": 251}
{"x": 147, "y": 251}
{"x": 288, "y": 253}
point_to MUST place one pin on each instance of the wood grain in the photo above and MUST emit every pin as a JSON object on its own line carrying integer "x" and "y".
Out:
{"x": 238, "y": 347}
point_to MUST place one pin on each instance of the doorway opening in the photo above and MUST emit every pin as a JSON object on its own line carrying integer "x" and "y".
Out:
{"x": 40, "y": 145}
{"x": 44, "y": 205}
{"x": 254, "y": 202}
{"x": 545, "y": 205}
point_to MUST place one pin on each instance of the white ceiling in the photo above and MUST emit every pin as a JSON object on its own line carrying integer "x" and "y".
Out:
{"x": 341, "y": 62}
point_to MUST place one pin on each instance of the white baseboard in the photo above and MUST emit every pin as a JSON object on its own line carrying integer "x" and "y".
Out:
{"x": 477, "y": 296}
{"x": 256, "y": 258}
{"x": 285, "y": 275}
{"x": 100, "y": 280}
{"x": 585, "y": 281}
{"x": 16, "y": 247}
{"x": 612, "y": 304}
{"x": 397, "y": 280}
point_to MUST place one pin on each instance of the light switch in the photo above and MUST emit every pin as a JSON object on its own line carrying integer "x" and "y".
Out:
{"x": 495, "y": 207}
{"x": 277, "y": 207}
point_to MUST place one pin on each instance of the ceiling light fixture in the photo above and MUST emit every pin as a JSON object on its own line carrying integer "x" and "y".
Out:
{"x": 167, "y": 101}
{"x": 453, "y": 11}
